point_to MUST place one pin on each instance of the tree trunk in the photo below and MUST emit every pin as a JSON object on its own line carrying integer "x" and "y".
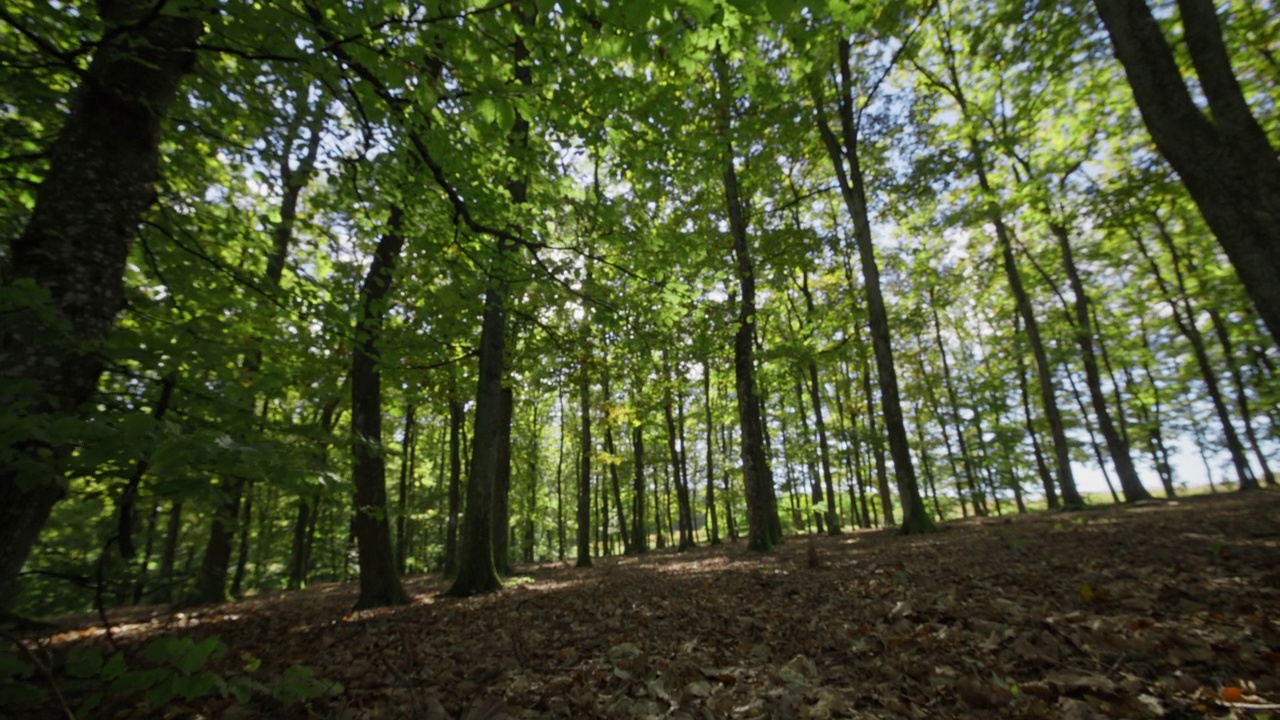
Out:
{"x": 169, "y": 553}
{"x": 502, "y": 487}
{"x": 1242, "y": 398}
{"x": 476, "y": 573}
{"x": 755, "y": 463}
{"x": 101, "y": 178}
{"x": 1117, "y": 446}
{"x": 560, "y": 484}
{"x": 811, "y": 470}
{"x": 639, "y": 533}
{"x": 1224, "y": 158}
{"x": 915, "y": 519}
{"x": 710, "y": 431}
{"x": 684, "y": 492}
{"x": 1184, "y": 318}
{"x": 979, "y": 508}
{"x": 402, "y": 500}
{"x": 379, "y": 581}
{"x": 584, "y": 477}
{"x": 246, "y": 529}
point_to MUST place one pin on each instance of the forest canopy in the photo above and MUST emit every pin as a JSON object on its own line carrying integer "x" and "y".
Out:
{"x": 305, "y": 290}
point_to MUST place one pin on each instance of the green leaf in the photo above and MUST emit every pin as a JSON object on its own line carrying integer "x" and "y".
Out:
{"x": 780, "y": 10}
{"x": 84, "y": 662}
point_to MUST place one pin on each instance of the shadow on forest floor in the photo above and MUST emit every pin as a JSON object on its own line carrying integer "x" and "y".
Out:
{"x": 1147, "y": 611}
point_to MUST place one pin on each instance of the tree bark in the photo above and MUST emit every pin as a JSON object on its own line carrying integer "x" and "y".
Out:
{"x": 1224, "y": 157}
{"x": 710, "y": 430}
{"x": 402, "y": 500}
{"x": 102, "y": 172}
{"x": 379, "y": 581}
{"x": 584, "y": 477}
{"x": 502, "y": 487}
{"x": 755, "y": 462}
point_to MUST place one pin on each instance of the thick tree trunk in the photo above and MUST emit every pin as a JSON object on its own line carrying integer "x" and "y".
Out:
{"x": 103, "y": 167}
{"x": 379, "y": 581}
{"x": 476, "y": 573}
{"x": 1224, "y": 157}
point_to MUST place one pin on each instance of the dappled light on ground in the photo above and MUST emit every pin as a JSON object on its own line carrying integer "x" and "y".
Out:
{"x": 1164, "y": 610}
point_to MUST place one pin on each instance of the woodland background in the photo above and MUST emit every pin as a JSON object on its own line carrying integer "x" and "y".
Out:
{"x": 312, "y": 291}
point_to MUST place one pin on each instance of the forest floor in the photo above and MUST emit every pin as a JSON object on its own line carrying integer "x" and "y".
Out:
{"x": 1160, "y": 610}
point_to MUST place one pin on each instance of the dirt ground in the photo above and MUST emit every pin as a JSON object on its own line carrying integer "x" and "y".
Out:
{"x": 1160, "y": 610}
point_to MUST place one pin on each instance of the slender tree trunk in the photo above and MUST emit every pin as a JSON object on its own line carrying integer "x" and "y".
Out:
{"x": 731, "y": 523}
{"x": 639, "y": 533}
{"x": 684, "y": 492}
{"x": 502, "y": 486}
{"x": 979, "y": 508}
{"x": 246, "y": 529}
{"x": 560, "y": 485}
{"x": 456, "y": 420}
{"x": 1223, "y": 156}
{"x": 877, "y": 447}
{"x": 1117, "y": 446}
{"x": 915, "y": 519}
{"x": 584, "y": 478}
{"x": 402, "y": 502}
{"x": 711, "y": 484}
{"x": 755, "y": 462}
{"x": 824, "y": 452}
{"x": 1184, "y": 318}
{"x": 811, "y": 470}
{"x": 1242, "y": 398}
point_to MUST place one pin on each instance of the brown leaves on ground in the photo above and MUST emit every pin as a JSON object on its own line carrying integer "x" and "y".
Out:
{"x": 1163, "y": 610}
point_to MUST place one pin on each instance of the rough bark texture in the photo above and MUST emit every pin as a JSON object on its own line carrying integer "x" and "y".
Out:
{"x": 379, "y": 580}
{"x": 103, "y": 167}
{"x": 1224, "y": 157}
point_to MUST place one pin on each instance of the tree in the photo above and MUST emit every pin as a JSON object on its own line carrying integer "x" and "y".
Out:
{"x": 1226, "y": 161}
{"x": 68, "y": 264}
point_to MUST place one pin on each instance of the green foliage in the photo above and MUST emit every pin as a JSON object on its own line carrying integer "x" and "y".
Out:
{"x": 167, "y": 669}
